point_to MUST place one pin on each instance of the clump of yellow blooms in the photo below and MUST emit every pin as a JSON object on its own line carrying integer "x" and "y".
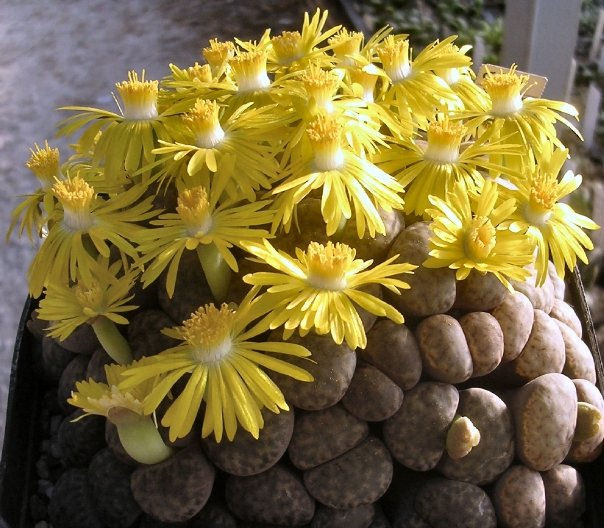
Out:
{"x": 215, "y": 159}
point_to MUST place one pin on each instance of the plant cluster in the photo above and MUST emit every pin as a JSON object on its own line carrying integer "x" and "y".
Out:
{"x": 217, "y": 159}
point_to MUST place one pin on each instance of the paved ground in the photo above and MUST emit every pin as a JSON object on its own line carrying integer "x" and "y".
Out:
{"x": 72, "y": 52}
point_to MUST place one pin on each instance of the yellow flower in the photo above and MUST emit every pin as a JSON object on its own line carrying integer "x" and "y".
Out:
{"x": 32, "y": 213}
{"x": 344, "y": 177}
{"x": 346, "y": 46}
{"x": 431, "y": 167}
{"x": 128, "y": 138}
{"x": 225, "y": 368}
{"x": 291, "y": 50}
{"x": 218, "y": 55}
{"x": 467, "y": 236}
{"x": 321, "y": 288}
{"x": 415, "y": 90}
{"x": 105, "y": 295}
{"x": 314, "y": 91}
{"x": 235, "y": 152}
{"x": 106, "y": 399}
{"x": 525, "y": 120}
{"x": 461, "y": 81}
{"x": 82, "y": 223}
{"x": 199, "y": 221}
{"x": 249, "y": 71}
{"x": 554, "y": 226}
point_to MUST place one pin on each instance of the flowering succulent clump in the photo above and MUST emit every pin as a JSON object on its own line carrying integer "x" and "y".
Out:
{"x": 220, "y": 161}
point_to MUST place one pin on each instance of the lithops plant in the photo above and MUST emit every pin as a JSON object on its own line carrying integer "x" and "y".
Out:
{"x": 393, "y": 349}
{"x": 433, "y": 290}
{"x": 589, "y": 431}
{"x": 579, "y": 362}
{"x": 564, "y": 496}
{"x": 332, "y": 370}
{"x": 416, "y": 435}
{"x": 264, "y": 224}
{"x": 544, "y": 351}
{"x": 246, "y": 455}
{"x": 177, "y": 489}
{"x": 485, "y": 341}
{"x": 359, "y": 476}
{"x": 479, "y": 460}
{"x": 515, "y": 316}
{"x": 445, "y": 503}
{"x": 479, "y": 292}
{"x": 276, "y": 496}
{"x": 565, "y": 313}
{"x": 541, "y": 295}
{"x": 545, "y": 416}
{"x": 306, "y": 449}
{"x": 372, "y": 396}
{"x": 519, "y": 498}
{"x": 444, "y": 349}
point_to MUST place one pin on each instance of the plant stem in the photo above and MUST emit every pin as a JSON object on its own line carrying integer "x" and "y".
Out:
{"x": 113, "y": 342}
{"x": 142, "y": 441}
{"x": 217, "y": 271}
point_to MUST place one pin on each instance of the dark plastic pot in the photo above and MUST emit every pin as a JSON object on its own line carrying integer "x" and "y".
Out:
{"x": 17, "y": 471}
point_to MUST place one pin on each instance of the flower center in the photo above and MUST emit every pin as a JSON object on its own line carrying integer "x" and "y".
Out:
{"x": 195, "y": 211}
{"x": 90, "y": 297}
{"x": 320, "y": 85}
{"x": 366, "y": 81}
{"x": 481, "y": 238}
{"x": 287, "y": 46}
{"x": 249, "y": 68}
{"x": 76, "y": 198}
{"x": 114, "y": 400}
{"x": 505, "y": 90}
{"x": 325, "y": 133}
{"x": 394, "y": 54}
{"x": 202, "y": 72}
{"x": 44, "y": 163}
{"x": 444, "y": 138}
{"x": 204, "y": 123}
{"x": 217, "y": 53}
{"x": 208, "y": 331}
{"x": 450, "y": 75}
{"x": 139, "y": 97}
{"x": 346, "y": 45}
{"x": 542, "y": 199}
{"x": 328, "y": 265}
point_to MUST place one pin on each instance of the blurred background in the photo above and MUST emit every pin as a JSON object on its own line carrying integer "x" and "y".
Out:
{"x": 60, "y": 52}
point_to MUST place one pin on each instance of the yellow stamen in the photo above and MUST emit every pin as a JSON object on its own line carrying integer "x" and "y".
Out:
{"x": 208, "y": 330}
{"x": 76, "y": 197}
{"x": 217, "y": 53}
{"x": 328, "y": 265}
{"x": 249, "y": 68}
{"x": 345, "y": 45}
{"x": 202, "y": 72}
{"x": 90, "y": 296}
{"x": 325, "y": 134}
{"x": 367, "y": 82}
{"x": 203, "y": 122}
{"x": 114, "y": 400}
{"x": 394, "y": 54}
{"x": 505, "y": 90}
{"x": 44, "y": 163}
{"x": 195, "y": 211}
{"x": 287, "y": 46}
{"x": 543, "y": 197}
{"x": 481, "y": 238}
{"x": 444, "y": 139}
{"x": 321, "y": 85}
{"x": 139, "y": 97}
